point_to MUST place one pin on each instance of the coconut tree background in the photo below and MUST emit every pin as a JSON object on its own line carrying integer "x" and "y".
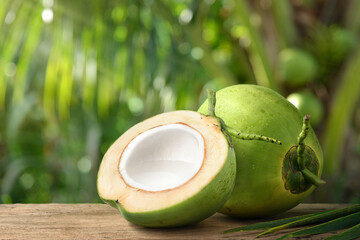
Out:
{"x": 74, "y": 75}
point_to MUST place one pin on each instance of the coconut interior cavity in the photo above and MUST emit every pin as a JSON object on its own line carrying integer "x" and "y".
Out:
{"x": 163, "y": 157}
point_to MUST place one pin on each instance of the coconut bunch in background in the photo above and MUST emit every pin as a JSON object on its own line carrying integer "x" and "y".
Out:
{"x": 304, "y": 72}
{"x": 179, "y": 168}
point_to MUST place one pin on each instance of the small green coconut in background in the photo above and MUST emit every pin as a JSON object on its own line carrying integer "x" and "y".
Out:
{"x": 270, "y": 178}
{"x": 296, "y": 67}
{"x": 341, "y": 42}
{"x": 307, "y": 103}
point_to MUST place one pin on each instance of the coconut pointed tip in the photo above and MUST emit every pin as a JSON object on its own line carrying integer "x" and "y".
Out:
{"x": 312, "y": 178}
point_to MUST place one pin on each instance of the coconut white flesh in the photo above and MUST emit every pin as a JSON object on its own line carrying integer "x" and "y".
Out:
{"x": 162, "y": 158}
{"x": 131, "y": 191}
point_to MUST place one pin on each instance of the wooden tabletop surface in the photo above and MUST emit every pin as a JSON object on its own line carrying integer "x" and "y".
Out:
{"x": 100, "y": 221}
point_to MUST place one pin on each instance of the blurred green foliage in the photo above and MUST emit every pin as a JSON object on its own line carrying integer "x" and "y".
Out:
{"x": 75, "y": 75}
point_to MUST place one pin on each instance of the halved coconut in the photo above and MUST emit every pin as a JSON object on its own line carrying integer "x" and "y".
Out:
{"x": 173, "y": 169}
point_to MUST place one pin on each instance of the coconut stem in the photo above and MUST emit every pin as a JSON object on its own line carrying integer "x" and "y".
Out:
{"x": 248, "y": 136}
{"x": 230, "y": 131}
{"x": 211, "y": 102}
{"x": 309, "y": 176}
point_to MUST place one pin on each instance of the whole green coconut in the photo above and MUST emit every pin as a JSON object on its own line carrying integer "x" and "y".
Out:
{"x": 296, "y": 67}
{"x": 270, "y": 178}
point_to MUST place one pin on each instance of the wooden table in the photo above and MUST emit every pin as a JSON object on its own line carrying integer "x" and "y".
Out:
{"x": 100, "y": 221}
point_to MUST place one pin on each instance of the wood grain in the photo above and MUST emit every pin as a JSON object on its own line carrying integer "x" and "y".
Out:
{"x": 100, "y": 221}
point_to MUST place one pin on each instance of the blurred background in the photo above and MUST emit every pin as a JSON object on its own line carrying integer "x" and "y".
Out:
{"x": 75, "y": 75}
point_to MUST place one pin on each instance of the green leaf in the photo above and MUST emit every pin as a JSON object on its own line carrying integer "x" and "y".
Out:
{"x": 351, "y": 233}
{"x": 342, "y": 108}
{"x": 324, "y": 216}
{"x": 284, "y": 20}
{"x": 269, "y": 224}
{"x": 334, "y": 225}
{"x": 258, "y": 55}
{"x": 27, "y": 54}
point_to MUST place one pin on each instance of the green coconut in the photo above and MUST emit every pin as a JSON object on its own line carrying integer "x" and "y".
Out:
{"x": 296, "y": 67}
{"x": 173, "y": 169}
{"x": 307, "y": 103}
{"x": 270, "y": 178}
